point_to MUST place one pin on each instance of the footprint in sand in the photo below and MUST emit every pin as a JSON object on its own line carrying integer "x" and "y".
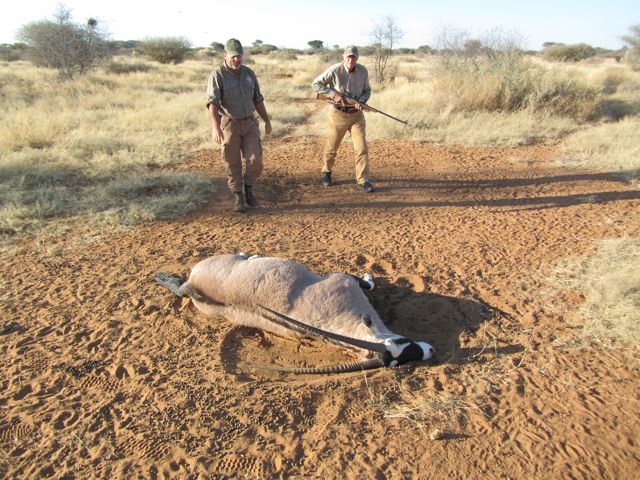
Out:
{"x": 242, "y": 465}
{"x": 386, "y": 269}
{"x": 102, "y": 383}
{"x": 415, "y": 282}
{"x": 11, "y": 432}
{"x": 375, "y": 266}
{"x": 145, "y": 448}
{"x": 65, "y": 419}
{"x": 122, "y": 372}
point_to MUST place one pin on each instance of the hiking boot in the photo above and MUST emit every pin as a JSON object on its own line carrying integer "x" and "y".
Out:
{"x": 326, "y": 179}
{"x": 367, "y": 187}
{"x": 248, "y": 197}
{"x": 239, "y": 205}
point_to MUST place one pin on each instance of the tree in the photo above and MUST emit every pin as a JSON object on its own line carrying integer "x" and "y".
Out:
{"x": 472, "y": 47}
{"x": 315, "y": 44}
{"x": 569, "y": 53}
{"x": 217, "y": 47}
{"x": 632, "y": 55}
{"x": 166, "y": 49}
{"x": 384, "y": 36}
{"x": 69, "y": 47}
{"x": 633, "y": 40}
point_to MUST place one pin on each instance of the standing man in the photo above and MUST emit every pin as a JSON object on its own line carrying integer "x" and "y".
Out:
{"x": 233, "y": 95}
{"x": 351, "y": 78}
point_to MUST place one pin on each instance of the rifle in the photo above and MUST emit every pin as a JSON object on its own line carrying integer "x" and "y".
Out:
{"x": 348, "y": 99}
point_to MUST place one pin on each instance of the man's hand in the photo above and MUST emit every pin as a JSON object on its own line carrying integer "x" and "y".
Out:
{"x": 267, "y": 127}
{"x": 217, "y": 135}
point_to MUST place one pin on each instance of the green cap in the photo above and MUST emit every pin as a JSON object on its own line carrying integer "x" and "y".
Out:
{"x": 350, "y": 50}
{"x": 233, "y": 47}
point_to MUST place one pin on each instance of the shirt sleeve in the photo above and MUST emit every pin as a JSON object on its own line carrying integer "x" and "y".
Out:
{"x": 366, "y": 90}
{"x": 257, "y": 95}
{"x": 323, "y": 82}
{"x": 213, "y": 90}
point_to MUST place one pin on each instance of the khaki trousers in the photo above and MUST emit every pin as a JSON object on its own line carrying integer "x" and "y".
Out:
{"x": 241, "y": 141}
{"x": 339, "y": 123}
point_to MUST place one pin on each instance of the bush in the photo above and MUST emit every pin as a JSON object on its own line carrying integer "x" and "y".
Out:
{"x": 122, "y": 68}
{"x": 569, "y": 53}
{"x": 71, "y": 48}
{"x": 506, "y": 82}
{"x": 632, "y": 56}
{"x": 284, "y": 54}
{"x": 560, "y": 94}
{"x": 11, "y": 53}
{"x": 166, "y": 49}
{"x": 425, "y": 50}
{"x": 262, "y": 49}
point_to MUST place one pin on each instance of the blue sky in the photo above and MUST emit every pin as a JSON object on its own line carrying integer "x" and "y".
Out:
{"x": 290, "y": 23}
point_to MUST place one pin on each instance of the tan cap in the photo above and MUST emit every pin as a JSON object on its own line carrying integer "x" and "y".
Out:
{"x": 351, "y": 50}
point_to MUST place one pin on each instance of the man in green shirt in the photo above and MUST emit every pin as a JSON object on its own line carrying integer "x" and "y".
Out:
{"x": 351, "y": 78}
{"x": 233, "y": 95}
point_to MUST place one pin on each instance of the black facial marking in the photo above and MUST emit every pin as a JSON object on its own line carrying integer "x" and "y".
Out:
{"x": 361, "y": 283}
{"x": 411, "y": 352}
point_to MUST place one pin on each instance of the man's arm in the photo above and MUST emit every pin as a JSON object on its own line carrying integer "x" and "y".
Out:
{"x": 262, "y": 111}
{"x": 213, "y": 99}
{"x": 216, "y": 131}
{"x": 323, "y": 84}
{"x": 258, "y": 102}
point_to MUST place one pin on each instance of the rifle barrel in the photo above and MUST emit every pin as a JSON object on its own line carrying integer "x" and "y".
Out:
{"x": 370, "y": 108}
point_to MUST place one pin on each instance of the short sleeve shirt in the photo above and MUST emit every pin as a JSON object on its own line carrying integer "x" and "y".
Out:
{"x": 236, "y": 95}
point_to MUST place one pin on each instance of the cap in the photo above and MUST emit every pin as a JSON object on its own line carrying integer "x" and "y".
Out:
{"x": 350, "y": 50}
{"x": 233, "y": 47}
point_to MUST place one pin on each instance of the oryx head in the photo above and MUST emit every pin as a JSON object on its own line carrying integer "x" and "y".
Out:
{"x": 393, "y": 351}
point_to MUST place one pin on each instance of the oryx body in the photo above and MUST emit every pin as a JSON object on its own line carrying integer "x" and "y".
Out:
{"x": 283, "y": 297}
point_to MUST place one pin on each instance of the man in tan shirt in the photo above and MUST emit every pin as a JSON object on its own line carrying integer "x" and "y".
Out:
{"x": 353, "y": 79}
{"x": 233, "y": 95}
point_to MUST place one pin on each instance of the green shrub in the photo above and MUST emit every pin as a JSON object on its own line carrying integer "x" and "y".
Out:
{"x": 569, "y": 53}
{"x": 262, "y": 49}
{"x": 122, "y": 68}
{"x": 284, "y": 54}
{"x": 166, "y": 49}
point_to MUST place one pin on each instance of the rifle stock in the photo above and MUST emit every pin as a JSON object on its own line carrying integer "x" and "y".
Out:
{"x": 346, "y": 99}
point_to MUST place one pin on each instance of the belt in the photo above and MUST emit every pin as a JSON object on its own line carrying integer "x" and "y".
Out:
{"x": 231, "y": 119}
{"x": 349, "y": 110}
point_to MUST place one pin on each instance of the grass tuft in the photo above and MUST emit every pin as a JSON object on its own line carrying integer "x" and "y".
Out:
{"x": 610, "y": 311}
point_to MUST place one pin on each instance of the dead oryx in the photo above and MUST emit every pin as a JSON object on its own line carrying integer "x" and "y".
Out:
{"x": 283, "y": 297}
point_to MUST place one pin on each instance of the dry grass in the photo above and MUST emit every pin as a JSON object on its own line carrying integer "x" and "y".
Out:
{"x": 58, "y": 138}
{"x": 435, "y": 415}
{"x": 608, "y": 146}
{"x": 609, "y": 281}
{"x": 69, "y": 149}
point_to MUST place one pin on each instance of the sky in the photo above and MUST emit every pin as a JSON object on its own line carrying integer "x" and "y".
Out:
{"x": 293, "y": 23}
